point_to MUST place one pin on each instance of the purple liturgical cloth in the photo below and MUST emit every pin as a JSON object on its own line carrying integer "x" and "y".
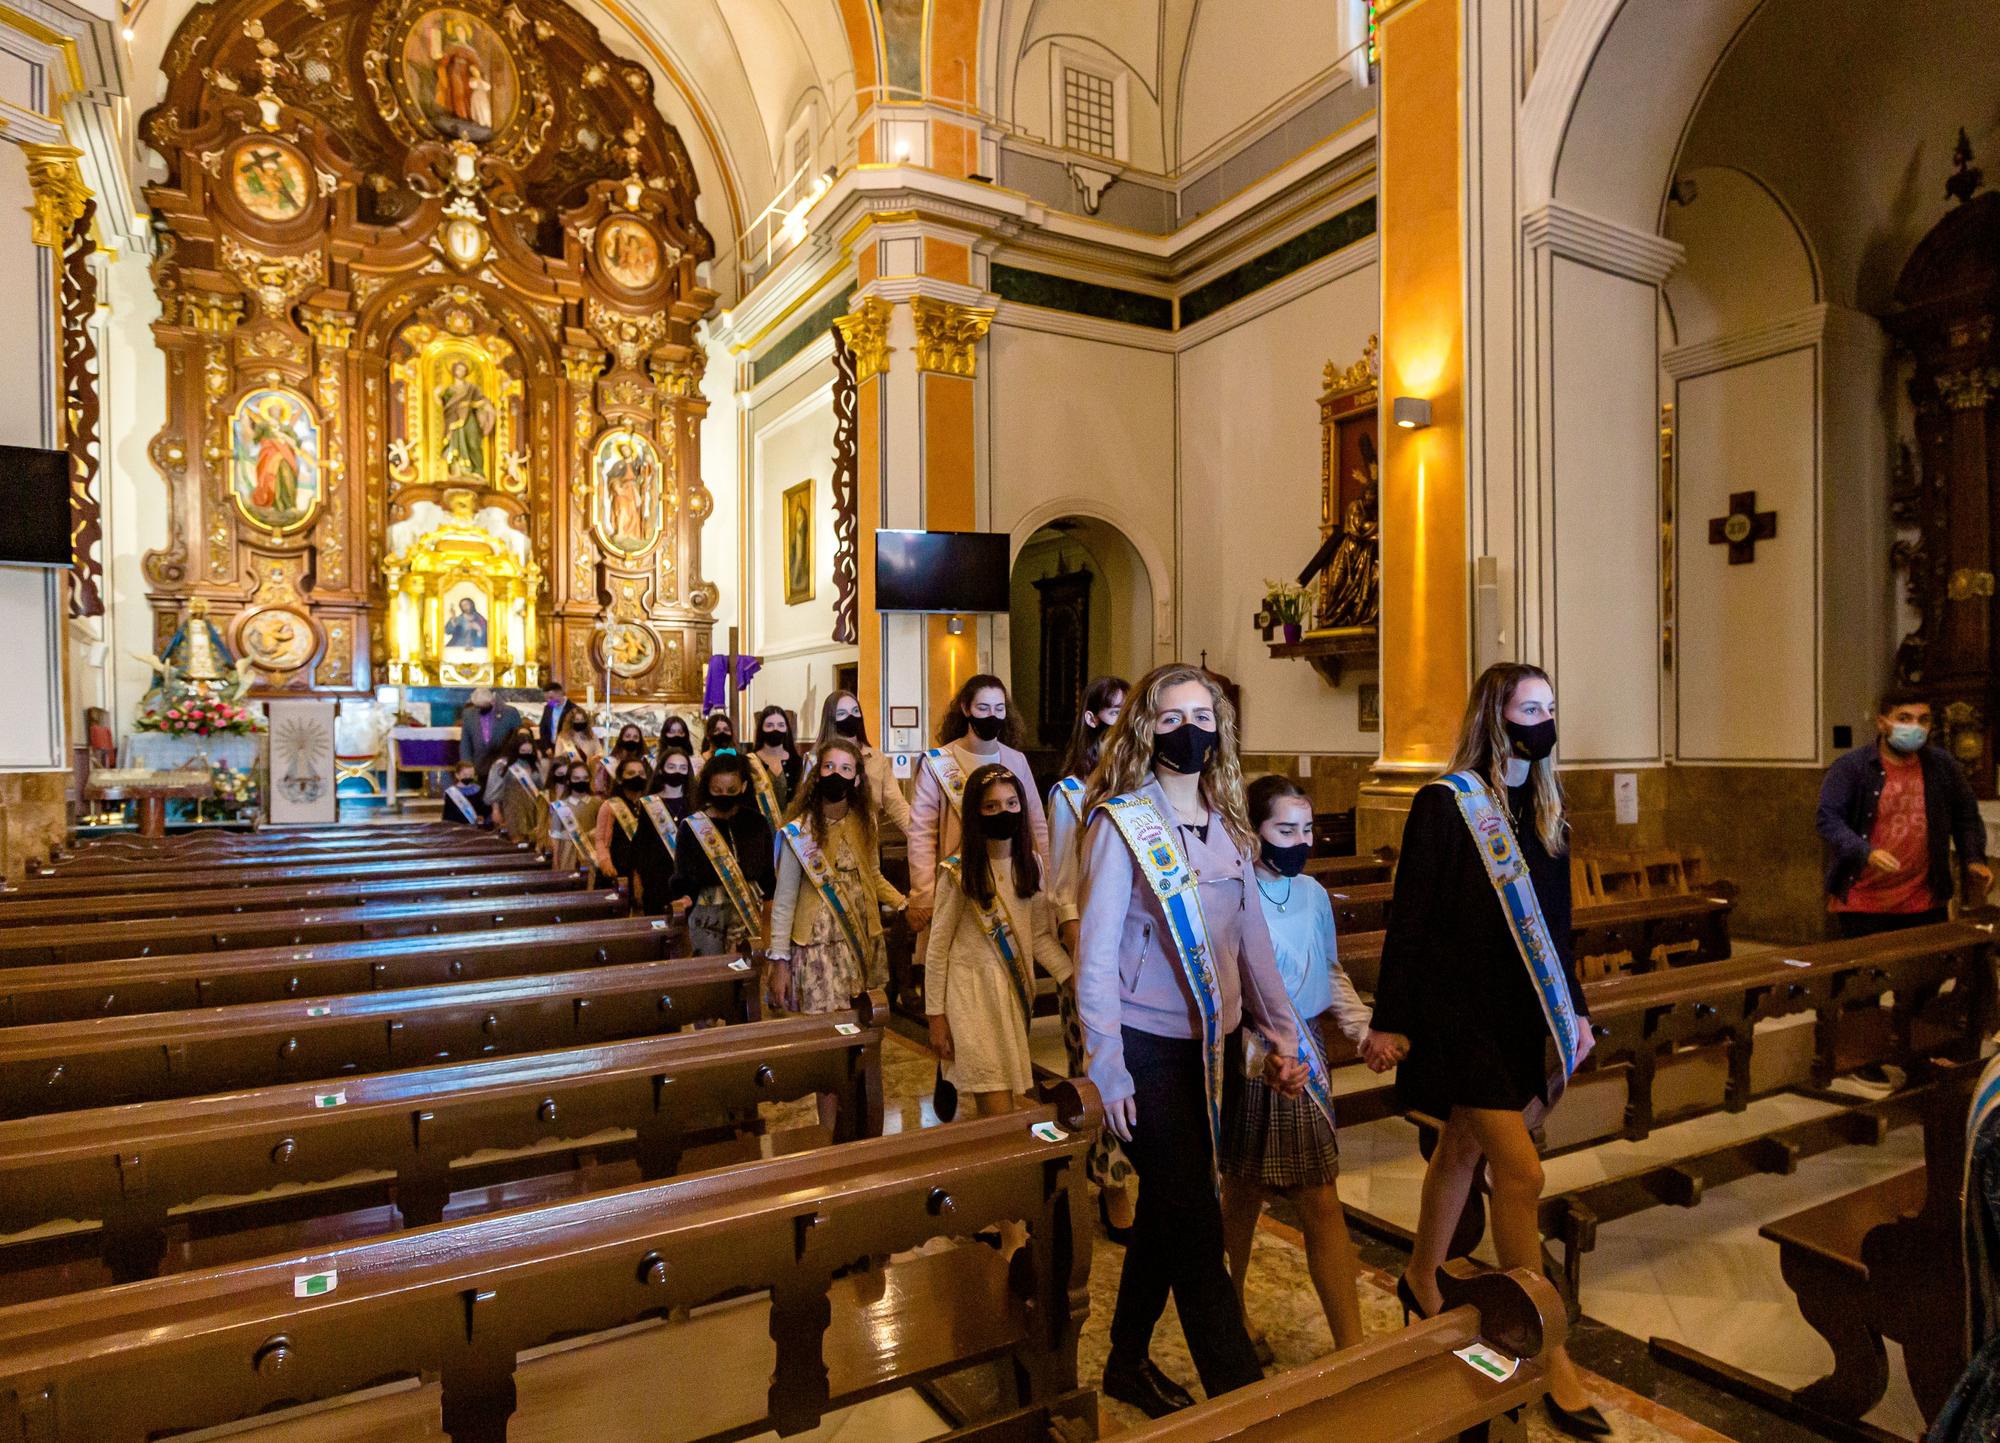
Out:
{"x": 715, "y": 688}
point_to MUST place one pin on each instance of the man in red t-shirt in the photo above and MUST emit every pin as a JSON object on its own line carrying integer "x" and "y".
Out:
{"x": 1890, "y": 812}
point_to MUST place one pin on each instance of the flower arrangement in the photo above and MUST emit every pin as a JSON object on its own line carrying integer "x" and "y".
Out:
{"x": 189, "y": 715}
{"x": 1286, "y": 604}
{"x": 233, "y": 787}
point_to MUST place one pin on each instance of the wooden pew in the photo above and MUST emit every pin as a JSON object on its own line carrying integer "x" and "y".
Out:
{"x": 76, "y": 991}
{"x": 261, "y": 871}
{"x": 454, "y": 836}
{"x": 266, "y": 897}
{"x": 1887, "y": 1261}
{"x": 459, "y": 1302}
{"x": 1405, "y": 1388}
{"x": 147, "y": 936}
{"x": 65, "y": 1066}
{"x": 1350, "y": 871}
{"x": 127, "y": 1166}
{"x": 110, "y": 860}
{"x": 1647, "y": 925}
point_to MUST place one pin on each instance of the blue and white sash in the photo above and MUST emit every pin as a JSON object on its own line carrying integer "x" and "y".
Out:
{"x": 812, "y": 861}
{"x": 992, "y": 917}
{"x": 457, "y": 798}
{"x": 729, "y": 872}
{"x": 1071, "y": 789}
{"x": 663, "y": 823}
{"x": 525, "y": 778}
{"x": 766, "y": 787}
{"x": 622, "y": 815}
{"x": 564, "y": 816}
{"x": 1982, "y": 1292}
{"x": 944, "y": 766}
{"x": 1156, "y": 851}
{"x": 1493, "y": 835}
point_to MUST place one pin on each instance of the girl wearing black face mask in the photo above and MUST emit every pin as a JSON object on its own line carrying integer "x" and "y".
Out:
{"x": 822, "y": 955}
{"x": 779, "y": 763}
{"x": 840, "y": 716}
{"x": 620, "y": 823}
{"x": 1476, "y": 1002}
{"x": 717, "y": 732}
{"x": 978, "y": 728}
{"x": 980, "y": 998}
{"x": 724, "y": 826}
{"x": 513, "y": 792}
{"x": 1285, "y": 1145}
{"x": 1166, "y": 811}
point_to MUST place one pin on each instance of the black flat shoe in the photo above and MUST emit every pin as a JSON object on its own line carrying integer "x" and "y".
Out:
{"x": 1584, "y": 1422}
{"x": 1146, "y": 1388}
{"x": 1116, "y": 1234}
{"x": 1408, "y": 1298}
{"x": 944, "y": 1097}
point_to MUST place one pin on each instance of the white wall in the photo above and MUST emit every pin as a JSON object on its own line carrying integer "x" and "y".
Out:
{"x": 1245, "y": 54}
{"x": 1077, "y": 427}
{"x": 1249, "y": 501}
{"x": 133, "y": 387}
{"x": 791, "y": 440}
{"x": 722, "y": 532}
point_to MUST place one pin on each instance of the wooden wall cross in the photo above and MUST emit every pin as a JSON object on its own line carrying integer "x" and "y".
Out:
{"x": 1743, "y": 528}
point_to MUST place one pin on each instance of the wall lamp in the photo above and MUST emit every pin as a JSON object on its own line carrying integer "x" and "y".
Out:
{"x": 1412, "y": 413}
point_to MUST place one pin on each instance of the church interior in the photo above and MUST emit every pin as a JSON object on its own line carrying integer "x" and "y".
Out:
{"x": 519, "y": 508}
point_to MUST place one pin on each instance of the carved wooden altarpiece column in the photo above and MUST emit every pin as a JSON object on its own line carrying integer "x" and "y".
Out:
{"x": 428, "y": 286}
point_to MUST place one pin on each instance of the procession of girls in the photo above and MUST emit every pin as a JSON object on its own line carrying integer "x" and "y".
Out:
{"x": 1197, "y": 966}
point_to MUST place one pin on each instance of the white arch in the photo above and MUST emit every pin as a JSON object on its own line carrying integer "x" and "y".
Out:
{"x": 1611, "y": 99}
{"x": 1157, "y": 571}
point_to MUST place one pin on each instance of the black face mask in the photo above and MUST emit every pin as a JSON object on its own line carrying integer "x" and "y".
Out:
{"x": 1286, "y": 861}
{"x": 579, "y": 784}
{"x": 468, "y": 784}
{"x": 485, "y": 707}
{"x": 526, "y": 756}
{"x": 1185, "y": 749}
{"x": 720, "y": 739}
{"x": 996, "y": 826}
{"x": 724, "y": 806}
{"x": 834, "y": 787}
{"x": 848, "y": 726}
{"x": 632, "y": 786}
{"x": 675, "y": 781}
{"x": 1532, "y": 743}
{"x": 775, "y": 739}
{"x": 986, "y": 728}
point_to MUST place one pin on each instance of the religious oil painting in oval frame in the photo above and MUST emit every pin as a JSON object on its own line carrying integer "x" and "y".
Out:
{"x": 628, "y": 253}
{"x": 458, "y": 70}
{"x": 274, "y": 473}
{"x": 278, "y": 639}
{"x": 627, "y": 501}
{"x": 271, "y": 180}
{"x": 630, "y": 650}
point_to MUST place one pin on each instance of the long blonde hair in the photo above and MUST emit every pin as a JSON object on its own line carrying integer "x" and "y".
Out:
{"x": 1484, "y": 748}
{"x": 1127, "y": 758}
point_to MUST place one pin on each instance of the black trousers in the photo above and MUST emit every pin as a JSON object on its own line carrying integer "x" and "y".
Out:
{"x": 1873, "y": 924}
{"x": 1177, "y": 1242}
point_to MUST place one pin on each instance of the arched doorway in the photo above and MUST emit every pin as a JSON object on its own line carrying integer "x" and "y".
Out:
{"x": 1082, "y": 606}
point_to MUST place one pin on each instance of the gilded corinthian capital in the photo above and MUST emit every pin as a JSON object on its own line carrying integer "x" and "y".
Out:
{"x": 947, "y": 333}
{"x": 866, "y": 332}
{"x": 60, "y": 193}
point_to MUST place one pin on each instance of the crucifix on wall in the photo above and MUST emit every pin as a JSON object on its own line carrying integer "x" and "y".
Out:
{"x": 1743, "y": 528}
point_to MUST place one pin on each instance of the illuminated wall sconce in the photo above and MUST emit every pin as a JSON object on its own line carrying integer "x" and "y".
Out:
{"x": 1412, "y": 413}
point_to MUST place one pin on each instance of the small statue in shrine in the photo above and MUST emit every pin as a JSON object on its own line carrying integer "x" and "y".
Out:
{"x": 469, "y": 418}
{"x": 196, "y": 661}
{"x": 1349, "y": 591}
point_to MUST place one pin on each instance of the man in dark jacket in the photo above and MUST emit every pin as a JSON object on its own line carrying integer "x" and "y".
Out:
{"x": 484, "y": 728}
{"x": 1890, "y": 812}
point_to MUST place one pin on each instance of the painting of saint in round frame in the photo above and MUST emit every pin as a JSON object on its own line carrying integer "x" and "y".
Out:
{"x": 627, "y": 493}
{"x": 461, "y": 75}
{"x": 628, "y": 253}
{"x": 274, "y": 470}
{"x": 271, "y": 180}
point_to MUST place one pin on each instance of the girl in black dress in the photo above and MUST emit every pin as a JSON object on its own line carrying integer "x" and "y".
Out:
{"x": 1455, "y": 990}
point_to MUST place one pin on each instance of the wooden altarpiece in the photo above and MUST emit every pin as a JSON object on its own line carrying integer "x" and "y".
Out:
{"x": 428, "y": 286}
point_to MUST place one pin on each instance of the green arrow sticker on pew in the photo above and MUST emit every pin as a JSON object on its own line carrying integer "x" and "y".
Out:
{"x": 319, "y": 1011}
{"x": 739, "y": 965}
{"x": 330, "y": 1099}
{"x": 1048, "y": 1132}
{"x": 314, "y": 1285}
{"x": 847, "y": 1029}
{"x": 658, "y": 923}
{"x": 1482, "y": 1359}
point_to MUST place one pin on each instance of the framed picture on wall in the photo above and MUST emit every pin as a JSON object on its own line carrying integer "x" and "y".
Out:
{"x": 796, "y": 515}
{"x": 1369, "y": 718}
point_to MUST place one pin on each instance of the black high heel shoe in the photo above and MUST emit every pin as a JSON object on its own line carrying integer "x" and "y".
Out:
{"x": 1121, "y": 1236}
{"x": 1584, "y": 1422}
{"x": 1408, "y": 1298}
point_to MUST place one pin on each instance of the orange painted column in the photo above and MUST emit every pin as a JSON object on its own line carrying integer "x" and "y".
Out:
{"x": 1426, "y": 572}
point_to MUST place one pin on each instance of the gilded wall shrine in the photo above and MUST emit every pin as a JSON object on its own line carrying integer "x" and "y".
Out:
{"x": 428, "y": 288}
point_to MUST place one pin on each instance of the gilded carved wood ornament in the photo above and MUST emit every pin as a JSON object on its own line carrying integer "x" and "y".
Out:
{"x": 428, "y": 285}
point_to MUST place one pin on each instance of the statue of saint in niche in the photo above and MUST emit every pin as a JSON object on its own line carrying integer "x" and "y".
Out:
{"x": 1349, "y": 594}
{"x": 469, "y": 418}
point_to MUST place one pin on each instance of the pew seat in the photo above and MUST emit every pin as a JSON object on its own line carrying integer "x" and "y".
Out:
{"x": 265, "y": 896}
{"x": 263, "y": 870}
{"x": 125, "y": 986}
{"x": 67, "y": 1066}
{"x": 461, "y": 1301}
{"x": 50, "y": 943}
{"x": 129, "y": 1168}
